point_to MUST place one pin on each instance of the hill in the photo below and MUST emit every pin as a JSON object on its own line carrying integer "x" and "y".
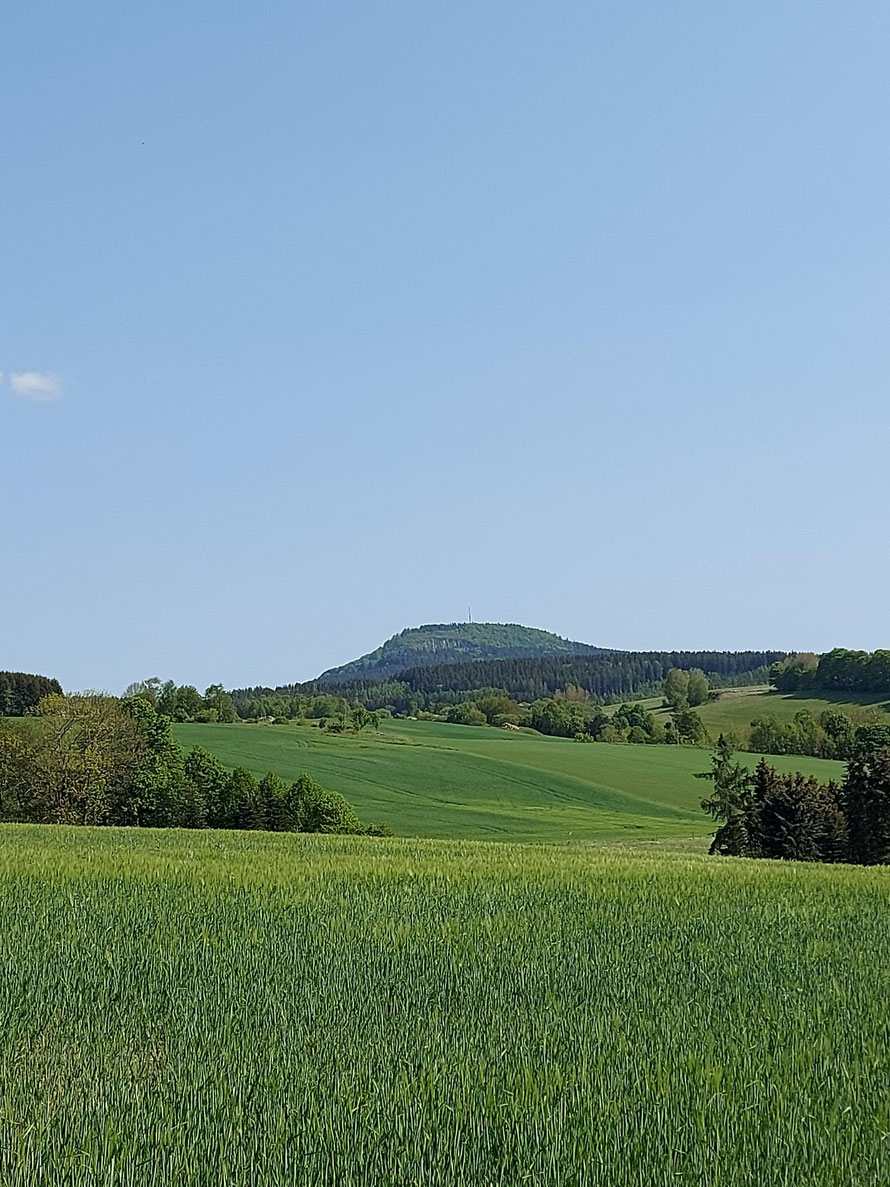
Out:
{"x": 428, "y": 779}
{"x": 437, "y": 664}
{"x": 439, "y": 643}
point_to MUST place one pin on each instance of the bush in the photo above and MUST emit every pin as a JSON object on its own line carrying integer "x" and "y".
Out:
{"x": 466, "y": 713}
{"x": 315, "y": 810}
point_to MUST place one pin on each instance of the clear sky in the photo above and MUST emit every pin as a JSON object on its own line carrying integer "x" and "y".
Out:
{"x": 319, "y": 320}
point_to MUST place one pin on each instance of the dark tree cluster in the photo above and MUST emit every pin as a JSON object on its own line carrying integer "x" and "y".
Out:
{"x": 103, "y": 761}
{"x": 795, "y": 817}
{"x": 21, "y": 692}
{"x": 606, "y": 677}
{"x": 619, "y": 674}
{"x": 839, "y": 670}
{"x": 833, "y": 734}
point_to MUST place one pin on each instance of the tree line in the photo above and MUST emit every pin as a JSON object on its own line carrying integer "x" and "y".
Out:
{"x": 831, "y": 734}
{"x": 100, "y": 760}
{"x": 571, "y": 713}
{"x": 21, "y": 692}
{"x": 183, "y": 703}
{"x": 795, "y": 817}
{"x": 838, "y": 670}
{"x": 606, "y": 677}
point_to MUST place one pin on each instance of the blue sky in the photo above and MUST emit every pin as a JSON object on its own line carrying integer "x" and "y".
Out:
{"x": 322, "y": 320}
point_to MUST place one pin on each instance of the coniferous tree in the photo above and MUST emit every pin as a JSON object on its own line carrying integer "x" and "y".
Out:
{"x": 794, "y": 817}
{"x": 866, "y": 799}
{"x": 22, "y": 692}
{"x": 729, "y": 802}
{"x": 272, "y": 798}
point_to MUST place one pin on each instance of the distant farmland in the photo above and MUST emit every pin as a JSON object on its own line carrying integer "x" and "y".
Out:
{"x": 433, "y": 780}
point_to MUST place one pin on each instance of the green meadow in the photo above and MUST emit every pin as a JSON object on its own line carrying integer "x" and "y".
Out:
{"x": 206, "y": 1008}
{"x": 428, "y": 779}
{"x": 737, "y": 708}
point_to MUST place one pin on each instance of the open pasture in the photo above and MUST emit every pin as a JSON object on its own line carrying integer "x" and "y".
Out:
{"x": 219, "y": 1008}
{"x": 738, "y": 707}
{"x": 435, "y": 780}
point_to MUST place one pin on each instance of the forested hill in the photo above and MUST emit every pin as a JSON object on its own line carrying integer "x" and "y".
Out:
{"x": 455, "y": 642}
{"x": 613, "y": 674}
{"x": 603, "y": 676}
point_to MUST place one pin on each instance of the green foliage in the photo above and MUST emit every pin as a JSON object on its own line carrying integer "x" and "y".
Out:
{"x": 182, "y": 703}
{"x": 498, "y": 708}
{"x": 833, "y": 735}
{"x": 188, "y": 704}
{"x": 604, "y": 676}
{"x": 244, "y": 1008}
{"x": 98, "y": 760}
{"x": 629, "y": 722}
{"x": 521, "y": 674}
{"x": 319, "y": 811}
{"x": 794, "y": 671}
{"x": 697, "y": 687}
{"x": 676, "y": 687}
{"x": 793, "y": 816}
{"x": 688, "y": 726}
{"x": 729, "y": 801}
{"x": 866, "y": 802}
{"x": 155, "y": 793}
{"x": 80, "y": 762}
{"x": 559, "y": 719}
{"x": 242, "y": 795}
{"x": 836, "y": 671}
{"x": 467, "y": 713}
{"x": 21, "y": 692}
{"x": 220, "y": 703}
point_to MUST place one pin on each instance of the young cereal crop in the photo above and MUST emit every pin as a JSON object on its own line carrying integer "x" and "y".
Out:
{"x": 216, "y": 1008}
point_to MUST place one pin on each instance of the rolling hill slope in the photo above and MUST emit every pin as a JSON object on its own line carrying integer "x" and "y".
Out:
{"x": 736, "y": 709}
{"x": 433, "y": 780}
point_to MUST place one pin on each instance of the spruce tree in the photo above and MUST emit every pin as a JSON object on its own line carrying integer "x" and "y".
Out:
{"x": 728, "y": 802}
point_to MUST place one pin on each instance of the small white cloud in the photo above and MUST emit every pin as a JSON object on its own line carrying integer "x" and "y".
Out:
{"x": 38, "y": 386}
{"x": 1, "y": 376}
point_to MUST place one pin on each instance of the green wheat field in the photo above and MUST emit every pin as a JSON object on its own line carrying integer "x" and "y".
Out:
{"x": 219, "y": 1008}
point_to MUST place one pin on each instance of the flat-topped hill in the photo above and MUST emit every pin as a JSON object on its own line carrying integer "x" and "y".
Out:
{"x": 440, "y": 643}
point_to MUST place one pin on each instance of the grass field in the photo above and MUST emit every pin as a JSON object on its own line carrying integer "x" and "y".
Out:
{"x": 737, "y": 708}
{"x": 220, "y": 1008}
{"x": 435, "y": 780}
